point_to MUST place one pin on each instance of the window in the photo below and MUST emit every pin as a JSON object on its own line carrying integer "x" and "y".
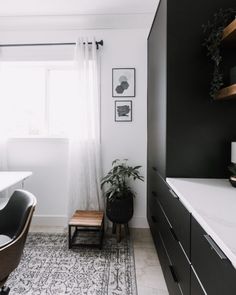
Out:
{"x": 37, "y": 99}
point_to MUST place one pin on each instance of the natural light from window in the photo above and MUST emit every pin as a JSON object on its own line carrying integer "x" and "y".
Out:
{"x": 38, "y": 99}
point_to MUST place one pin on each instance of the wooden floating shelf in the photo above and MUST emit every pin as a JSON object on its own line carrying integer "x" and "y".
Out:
{"x": 227, "y": 93}
{"x": 229, "y": 33}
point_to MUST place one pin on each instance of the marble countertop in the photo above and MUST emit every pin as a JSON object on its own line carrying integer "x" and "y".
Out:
{"x": 212, "y": 203}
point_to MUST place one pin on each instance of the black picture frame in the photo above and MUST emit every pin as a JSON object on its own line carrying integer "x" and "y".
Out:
{"x": 130, "y": 75}
{"x": 120, "y": 116}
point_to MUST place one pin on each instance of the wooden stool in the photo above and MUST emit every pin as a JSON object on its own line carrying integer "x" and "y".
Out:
{"x": 116, "y": 229}
{"x": 86, "y": 221}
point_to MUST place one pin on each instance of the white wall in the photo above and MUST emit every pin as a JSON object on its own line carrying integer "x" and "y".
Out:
{"x": 47, "y": 157}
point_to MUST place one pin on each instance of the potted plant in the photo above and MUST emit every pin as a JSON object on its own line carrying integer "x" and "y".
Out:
{"x": 232, "y": 169}
{"x": 214, "y": 32}
{"x": 119, "y": 194}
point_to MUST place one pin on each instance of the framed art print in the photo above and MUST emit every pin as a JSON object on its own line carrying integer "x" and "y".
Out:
{"x": 123, "y": 111}
{"x": 123, "y": 82}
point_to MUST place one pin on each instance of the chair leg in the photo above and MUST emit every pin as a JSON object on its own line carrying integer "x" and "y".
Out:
{"x": 4, "y": 290}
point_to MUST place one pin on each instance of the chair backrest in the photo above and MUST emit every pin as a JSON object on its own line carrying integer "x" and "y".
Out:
{"x": 13, "y": 216}
{"x": 21, "y": 212}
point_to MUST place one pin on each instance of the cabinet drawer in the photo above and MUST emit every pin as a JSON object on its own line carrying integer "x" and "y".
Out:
{"x": 175, "y": 211}
{"x": 214, "y": 270}
{"x": 179, "y": 217}
{"x": 180, "y": 265}
{"x": 152, "y": 217}
{"x": 167, "y": 268}
{"x": 196, "y": 288}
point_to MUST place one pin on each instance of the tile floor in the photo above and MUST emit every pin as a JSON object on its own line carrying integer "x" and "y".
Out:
{"x": 150, "y": 280}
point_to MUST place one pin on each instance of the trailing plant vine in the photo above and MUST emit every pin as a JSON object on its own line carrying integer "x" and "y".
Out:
{"x": 214, "y": 31}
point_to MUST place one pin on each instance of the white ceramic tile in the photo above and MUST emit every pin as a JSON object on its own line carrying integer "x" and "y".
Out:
{"x": 142, "y": 238}
{"x": 151, "y": 291}
{"x": 151, "y": 277}
{"x": 146, "y": 257}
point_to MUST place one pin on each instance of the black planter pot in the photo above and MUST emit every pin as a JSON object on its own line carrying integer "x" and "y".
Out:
{"x": 120, "y": 210}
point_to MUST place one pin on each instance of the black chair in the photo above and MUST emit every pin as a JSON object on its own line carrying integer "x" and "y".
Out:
{"x": 15, "y": 219}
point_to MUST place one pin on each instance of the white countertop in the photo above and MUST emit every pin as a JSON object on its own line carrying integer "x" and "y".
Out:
{"x": 10, "y": 178}
{"x": 212, "y": 203}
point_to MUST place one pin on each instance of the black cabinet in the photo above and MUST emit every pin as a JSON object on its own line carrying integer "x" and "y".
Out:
{"x": 181, "y": 114}
{"x": 177, "y": 215}
{"x": 196, "y": 288}
{"x": 167, "y": 267}
{"x": 213, "y": 268}
{"x": 179, "y": 218}
{"x": 180, "y": 264}
{"x": 186, "y": 245}
{"x": 167, "y": 218}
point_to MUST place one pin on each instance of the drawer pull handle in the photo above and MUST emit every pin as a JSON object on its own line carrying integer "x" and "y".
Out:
{"x": 154, "y": 194}
{"x": 173, "y": 194}
{"x": 173, "y": 273}
{"x": 173, "y": 233}
{"x": 215, "y": 247}
{"x": 154, "y": 219}
{"x": 154, "y": 168}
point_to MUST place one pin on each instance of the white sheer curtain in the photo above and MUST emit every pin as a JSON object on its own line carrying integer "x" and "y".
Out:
{"x": 84, "y": 138}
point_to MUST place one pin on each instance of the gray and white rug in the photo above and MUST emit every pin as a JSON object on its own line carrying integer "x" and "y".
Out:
{"x": 48, "y": 267}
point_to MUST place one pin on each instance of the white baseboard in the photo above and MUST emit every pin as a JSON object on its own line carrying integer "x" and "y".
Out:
{"x": 139, "y": 222}
{"x": 50, "y": 220}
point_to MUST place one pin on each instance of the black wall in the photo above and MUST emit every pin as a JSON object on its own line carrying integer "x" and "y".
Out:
{"x": 198, "y": 130}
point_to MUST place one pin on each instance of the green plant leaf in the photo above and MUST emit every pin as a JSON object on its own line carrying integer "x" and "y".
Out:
{"x": 117, "y": 177}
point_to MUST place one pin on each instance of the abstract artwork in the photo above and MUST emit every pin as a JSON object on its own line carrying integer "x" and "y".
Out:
{"x": 123, "y": 110}
{"x": 123, "y": 82}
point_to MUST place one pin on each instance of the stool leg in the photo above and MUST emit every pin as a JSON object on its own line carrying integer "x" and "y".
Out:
{"x": 101, "y": 234}
{"x": 69, "y": 238}
{"x": 113, "y": 228}
{"x": 118, "y": 233}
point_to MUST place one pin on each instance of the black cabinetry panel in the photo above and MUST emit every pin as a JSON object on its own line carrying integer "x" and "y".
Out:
{"x": 167, "y": 267}
{"x": 176, "y": 213}
{"x": 157, "y": 96}
{"x": 196, "y": 288}
{"x": 189, "y": 135}
{"x": 180, "y": 264}
{"x": 215, "y": 271}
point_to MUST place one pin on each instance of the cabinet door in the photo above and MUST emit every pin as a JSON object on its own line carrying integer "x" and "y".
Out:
{"x": 214, "y": 270}
{"x": 167, "y": 268}
{"x": 177, "y": 214}
{"x": 180, "y": 265}
{"x": 153, "y": 218}
{"x": 196, "y": 288}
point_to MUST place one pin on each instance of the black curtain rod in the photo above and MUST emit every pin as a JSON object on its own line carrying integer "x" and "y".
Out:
{"x": 98, "y": 43}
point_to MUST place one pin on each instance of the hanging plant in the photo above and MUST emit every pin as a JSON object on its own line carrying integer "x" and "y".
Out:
{"x": 214, "y": 32}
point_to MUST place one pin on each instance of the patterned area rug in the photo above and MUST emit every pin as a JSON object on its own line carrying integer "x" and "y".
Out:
{"x": 48, "y": 267}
